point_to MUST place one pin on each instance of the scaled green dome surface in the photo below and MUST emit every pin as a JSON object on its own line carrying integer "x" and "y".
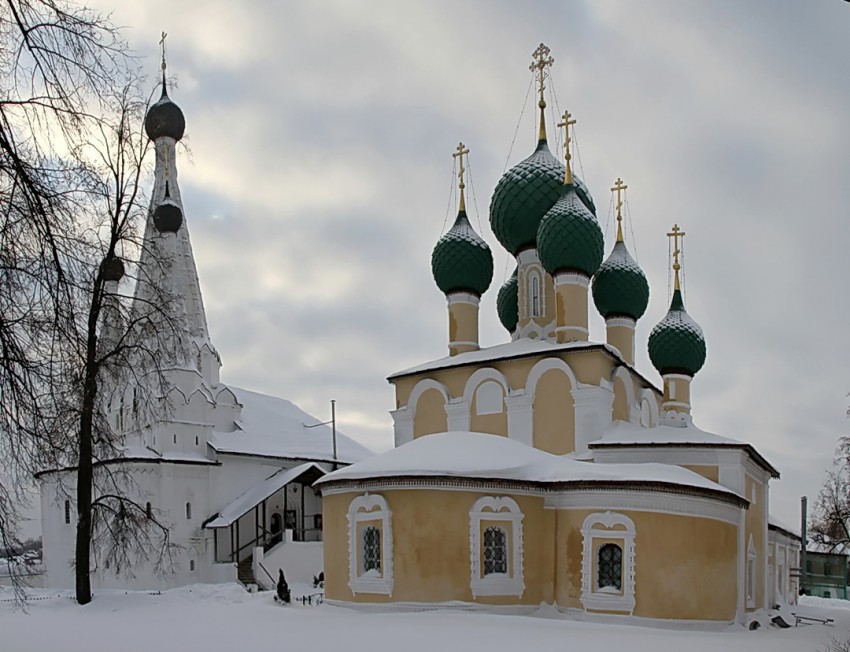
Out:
{"x": 461, "y": 260}
{"x": 676, "y": 343}
{"x": 507, "y": 303}
{"x": 620, "y": 288}
{"x": 523, "y": 196}
{"x": 569, "y": 237}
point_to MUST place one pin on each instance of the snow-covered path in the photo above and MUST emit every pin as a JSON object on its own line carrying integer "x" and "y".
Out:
{"x": 213, "y": 618}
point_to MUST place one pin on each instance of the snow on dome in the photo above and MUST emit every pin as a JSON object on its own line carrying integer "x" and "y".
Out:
{"x": 274, "y": 427}
{"x": 479, "y": 455}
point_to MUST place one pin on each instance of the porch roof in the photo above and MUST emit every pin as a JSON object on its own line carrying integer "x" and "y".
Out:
{"x": 257, "y": 494}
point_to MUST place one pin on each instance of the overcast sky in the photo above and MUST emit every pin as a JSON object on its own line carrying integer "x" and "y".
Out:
{"x": 320, "y": 170}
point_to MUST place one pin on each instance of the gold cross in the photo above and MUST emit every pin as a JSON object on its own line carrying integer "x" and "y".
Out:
{"x": 162, "y": 46}
{"x": 676, "y": 233}
{"x": 542, "y": 61}
{"x": 460, "y": 154}
{"x": 619, "y": 186}
{"x": 568, "y": 175}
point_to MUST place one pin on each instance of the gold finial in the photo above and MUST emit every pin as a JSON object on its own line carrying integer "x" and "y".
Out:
{"x": 460, "y": 154}
{"x": 568, "y": 175}
{"x": 676, "y": 233}
{"x": 542, "y": 62}
{"x": 619, "y": 187}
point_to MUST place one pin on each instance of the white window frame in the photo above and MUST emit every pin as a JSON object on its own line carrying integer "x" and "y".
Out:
{"x": 600, "y": 526}
{"x": 495, "y": 510}
{"x": 534, "y": 299}
{"x": 368, "y": 508}
{"x": 751, "y": 574}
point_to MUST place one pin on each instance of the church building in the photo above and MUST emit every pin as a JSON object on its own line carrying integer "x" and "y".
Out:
{"x": 226, "y": 470}
{"x": 549, "y": 469}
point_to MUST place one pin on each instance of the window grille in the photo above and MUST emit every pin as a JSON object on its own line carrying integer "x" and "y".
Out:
{"x": 611, "y": 566}
{"x": 495, "y": 550}
{"x": 371, "y": 549}
{"x": 67, "y": 512}
{"x": 535, "y": 296}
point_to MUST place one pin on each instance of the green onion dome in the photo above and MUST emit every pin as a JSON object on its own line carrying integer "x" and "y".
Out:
{"x": 523, "y": 196}
{"x": 507, "y": 303}
{"x": 461, "y": 260}
{"x": 569, "y": 238}
{"x": 676, "y": 344}
{"x": 620, "y": 288}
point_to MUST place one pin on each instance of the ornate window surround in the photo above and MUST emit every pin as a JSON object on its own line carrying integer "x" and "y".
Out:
{"x": 495, "y": 510}
{"x": 751, "y": 574}
{"x": 364, "y": 509}
{"x": 591, "y": 596}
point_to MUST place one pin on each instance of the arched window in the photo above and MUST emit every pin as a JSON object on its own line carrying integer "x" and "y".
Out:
{"x": 188, "y": 510}
{"x": 495, "y": 545}
{"x": 608, "y": 562}
{"x": 148, "y": 510}
{"x": 489, "y": 398}
{"x": 535, "y": 294}
{"x": 610, "y": 567}
{"x": 495, "y": 550}
{"x": 174, "y": 437}
{"x": 371, "y": 550}
{"x": 67, "y": 512}
{"x": 370, "y": 545}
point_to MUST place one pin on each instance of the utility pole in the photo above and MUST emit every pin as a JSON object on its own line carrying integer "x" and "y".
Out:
{"x": 332, "y": 424}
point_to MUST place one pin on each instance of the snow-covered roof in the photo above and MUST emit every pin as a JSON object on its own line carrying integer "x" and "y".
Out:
{"x": 482, "y": 456}
{"x": 515, "y": 349}
{"x": 774, "y": 522}
{"x": 274, "y": 427}
{"x": 622, "y": 433}
{"x": 258, "y": 493}
{"x": 145, "y": 453}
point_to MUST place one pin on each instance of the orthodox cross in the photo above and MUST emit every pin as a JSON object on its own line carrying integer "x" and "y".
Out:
{"x": 461, "y": 151}
{"x": 542, "y": 62}
{"x": 676, "y": 233}
{"x": 619, "y": 187}
{"x": 162, "y": 47}
{"x": 568, "y": 175}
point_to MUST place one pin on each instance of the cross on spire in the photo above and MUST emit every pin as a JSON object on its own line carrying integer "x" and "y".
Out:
{"x": 676, "y": 233}
{"x": 162, "y": 48}
{"x": 460, "y": 153}
{"x": 567, "y": 121}
{"x": 619, "y": 187}
{"x": 539, "y": 66}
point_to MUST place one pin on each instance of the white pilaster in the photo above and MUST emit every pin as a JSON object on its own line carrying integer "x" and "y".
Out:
{"x": 457, "y": 414}
{"x": 521, "y": 417}
{"x": 402, "y": 425}
{"x": 593, "y": 406}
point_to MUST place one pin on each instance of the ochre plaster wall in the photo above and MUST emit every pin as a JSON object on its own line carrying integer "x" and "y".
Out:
{"x": 431, "y": 556}
{"x": 430, "y": 414}
{"x": 705, "y": 470}
{"x": 685, "y": 566}
{"x": 554, "y": 413}
{"x": 754, "y": 525}
{"x": 621, "y": 402}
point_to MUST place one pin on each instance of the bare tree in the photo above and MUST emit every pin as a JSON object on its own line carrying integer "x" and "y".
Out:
{"x": 829, "y": 524}
{"x": 72, "y": 159}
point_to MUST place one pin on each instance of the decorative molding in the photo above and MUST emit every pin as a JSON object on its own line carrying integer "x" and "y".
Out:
{"x": 571, "y": 278}
{"x": 675, "y": 419}
{"x": 457, "y": 415}
{"x": 581, "y": 330}
{"x": 402, "y": 425}
{"x": 521, "y": 417}
{"x": 677, "y": 377}
{"x": 464, "y": 343}
{"x": 621, "y": 322}
{"x": 454, "y": 605}
{"x": 478, "y": 377}
{"x": 463, "y": 297}
{"x": 676, "y": 504}
{"x": 591, "y": 596}
{"x": 423, "y": 386}
{"x": 593, "y": 412}
{"x": 370, "y": 507}
{"x": 490, "y": 509}
{"x": 541, "y": 367}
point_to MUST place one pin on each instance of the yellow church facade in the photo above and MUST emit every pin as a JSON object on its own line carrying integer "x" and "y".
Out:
{"x": 548, "y": 470}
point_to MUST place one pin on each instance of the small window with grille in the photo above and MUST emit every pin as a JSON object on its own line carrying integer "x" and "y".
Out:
{"x": 495, "y": 550}
{"x": 610, "y": 567}
{"x": 67, "y": 512}
{"x": 371, "y": 549}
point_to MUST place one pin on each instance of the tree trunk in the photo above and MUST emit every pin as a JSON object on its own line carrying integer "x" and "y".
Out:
{"x": 85, "y": 465}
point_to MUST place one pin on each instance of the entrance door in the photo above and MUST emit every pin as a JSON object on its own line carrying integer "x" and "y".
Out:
{"x": 276, "y": 528}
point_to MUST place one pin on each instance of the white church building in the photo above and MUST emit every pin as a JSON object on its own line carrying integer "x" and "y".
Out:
{"x": 229, "y": 471}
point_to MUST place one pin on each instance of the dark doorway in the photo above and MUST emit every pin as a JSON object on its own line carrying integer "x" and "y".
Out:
{"x": 276, "y": 529}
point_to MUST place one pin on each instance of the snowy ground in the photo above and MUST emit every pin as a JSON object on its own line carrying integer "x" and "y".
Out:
{"x": 215, "y": 618}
